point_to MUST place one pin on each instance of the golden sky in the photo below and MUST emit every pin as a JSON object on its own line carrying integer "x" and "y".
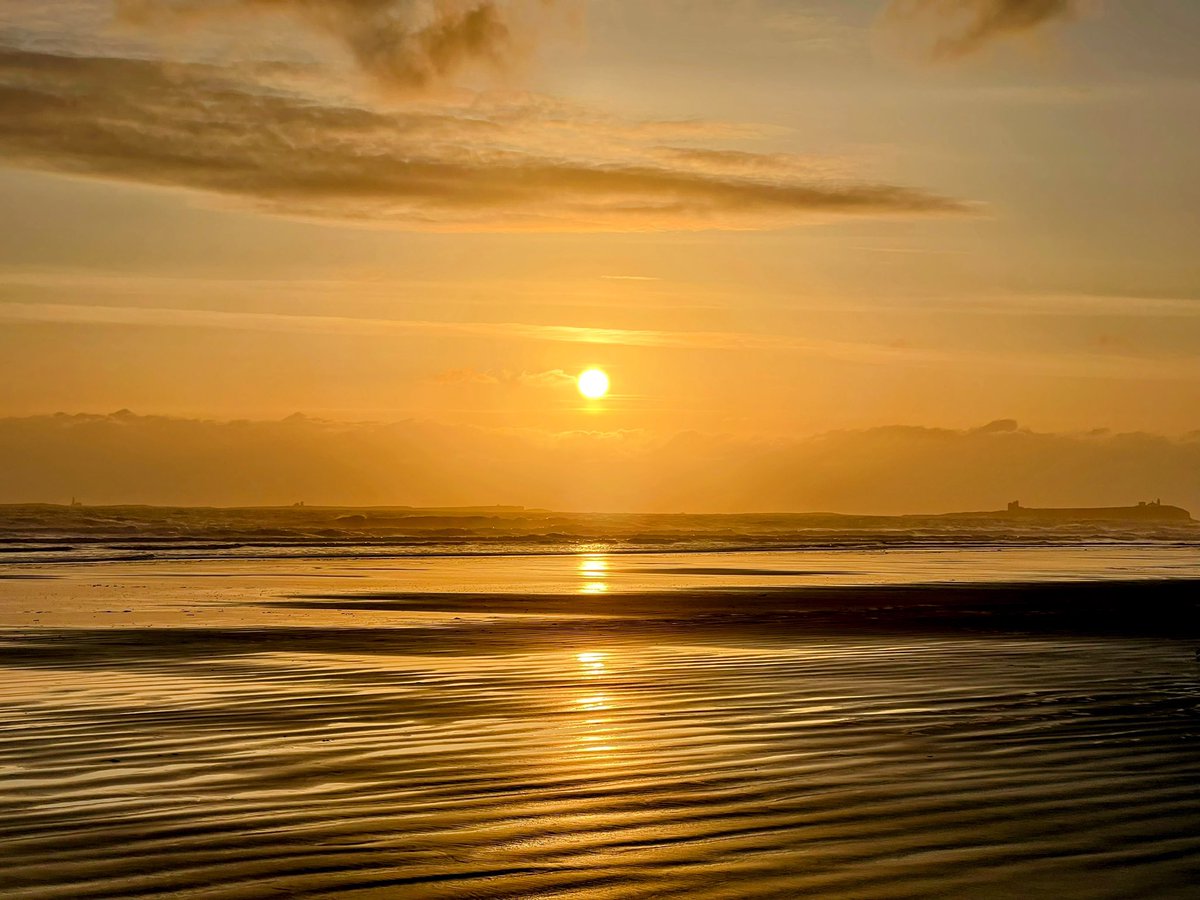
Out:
{"x": 765, "y": 219}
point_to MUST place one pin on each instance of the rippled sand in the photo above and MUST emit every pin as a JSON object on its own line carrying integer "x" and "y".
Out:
{"x": 304, "y": 736}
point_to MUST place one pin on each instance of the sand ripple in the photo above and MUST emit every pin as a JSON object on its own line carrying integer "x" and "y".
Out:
{"x": 318, "y": 762}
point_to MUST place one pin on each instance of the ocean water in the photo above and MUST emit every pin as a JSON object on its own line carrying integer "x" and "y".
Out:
{"x": 50, "y": 534}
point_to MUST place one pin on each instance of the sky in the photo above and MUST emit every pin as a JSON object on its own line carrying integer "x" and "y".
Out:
{"x": 775, "y": 224}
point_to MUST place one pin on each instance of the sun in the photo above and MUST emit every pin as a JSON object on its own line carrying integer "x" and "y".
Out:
{"x": 593, "y": 384}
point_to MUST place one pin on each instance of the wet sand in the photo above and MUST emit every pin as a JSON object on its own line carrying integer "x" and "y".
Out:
{"x": 308, "y": 733}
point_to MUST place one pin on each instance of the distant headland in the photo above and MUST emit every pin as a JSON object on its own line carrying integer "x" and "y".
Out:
{"x": 1149, "y": 511}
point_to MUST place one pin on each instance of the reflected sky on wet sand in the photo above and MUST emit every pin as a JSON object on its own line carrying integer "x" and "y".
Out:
{"x": 232, "y": 737}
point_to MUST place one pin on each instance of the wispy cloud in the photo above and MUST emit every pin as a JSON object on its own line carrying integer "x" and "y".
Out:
{"x": 962, "y": 27}
{"x": 406, "y": 44}
{"x": 1102, "y": 360}
{"x": 551, "y": 378}
{"x": 465, "y": 376}
{"x": 327, "y": 325}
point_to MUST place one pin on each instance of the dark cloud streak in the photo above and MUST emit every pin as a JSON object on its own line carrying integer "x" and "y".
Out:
{"x": 195, "y": 126}
{"x": 402, "y": 43}
{"x": 966, "y": 26}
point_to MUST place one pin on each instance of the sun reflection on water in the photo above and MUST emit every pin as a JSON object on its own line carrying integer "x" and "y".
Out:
{"x": 593, "y": 570}
{"x": 592, "y": 663}
{"x": 594, "y": 565}
{"x": 594, "y": 703}
{"x": 593, "y": 735}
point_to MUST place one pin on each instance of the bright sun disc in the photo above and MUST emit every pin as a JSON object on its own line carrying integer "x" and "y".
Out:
{"x": 593, "y": 384}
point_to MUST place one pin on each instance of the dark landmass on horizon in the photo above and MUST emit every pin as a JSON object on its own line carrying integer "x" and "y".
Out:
{"x": 382, "y": 516}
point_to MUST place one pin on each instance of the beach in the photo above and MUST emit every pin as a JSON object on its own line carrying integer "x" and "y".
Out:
{"x": 264, "y": 728}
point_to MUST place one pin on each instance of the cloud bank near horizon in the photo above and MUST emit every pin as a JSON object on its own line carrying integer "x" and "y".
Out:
{"x": 127, "y": 458}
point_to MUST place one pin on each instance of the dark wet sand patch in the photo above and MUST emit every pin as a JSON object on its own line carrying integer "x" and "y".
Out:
{"x": 734, "y": 571}
{"x": 1167, "y": 608}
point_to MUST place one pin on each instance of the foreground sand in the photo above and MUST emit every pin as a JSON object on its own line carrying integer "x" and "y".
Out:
{"x": 315, "y": 739}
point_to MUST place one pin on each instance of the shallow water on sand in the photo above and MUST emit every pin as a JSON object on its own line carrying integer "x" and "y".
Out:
{"x": 198, "y": 591}
{"x": 273, "y": 729}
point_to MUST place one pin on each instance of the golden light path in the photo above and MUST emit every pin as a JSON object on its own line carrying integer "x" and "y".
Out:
{"x": 595, "y": 731}
{"x": 593, "y": 568}
{"x": 593, "y": 384}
